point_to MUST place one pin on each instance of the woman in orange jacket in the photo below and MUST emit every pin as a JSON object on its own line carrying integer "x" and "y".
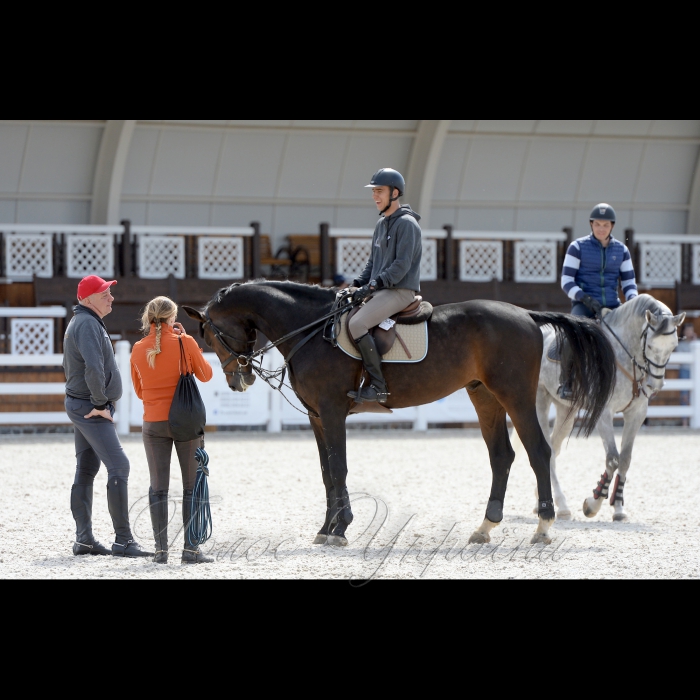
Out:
{"x": 155, "y": 371}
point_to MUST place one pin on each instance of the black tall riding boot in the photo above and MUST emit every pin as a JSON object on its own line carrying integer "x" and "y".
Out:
{"x": 565, "y": 392}
{"x": 372, "y": 360}
{"x": 118, "y": 502}
{"x": 159, "y": 518}
{"x": 191, "y": 554}
{"x": 81, "y": 506}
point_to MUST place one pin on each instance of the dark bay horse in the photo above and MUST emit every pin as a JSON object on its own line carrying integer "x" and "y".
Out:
{"x": 491, "y": 349}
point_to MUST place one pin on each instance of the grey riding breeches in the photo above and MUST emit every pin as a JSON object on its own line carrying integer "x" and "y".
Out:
{"x": 383, "y": 304}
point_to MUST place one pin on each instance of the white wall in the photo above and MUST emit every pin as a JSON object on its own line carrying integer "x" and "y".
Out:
{"x": 292, "y": 174}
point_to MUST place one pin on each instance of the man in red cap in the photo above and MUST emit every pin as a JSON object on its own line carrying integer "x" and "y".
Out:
{"x": 93, "y": 384}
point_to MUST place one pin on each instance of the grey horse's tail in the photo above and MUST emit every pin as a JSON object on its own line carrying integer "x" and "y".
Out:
{"x": 593, "y": 364}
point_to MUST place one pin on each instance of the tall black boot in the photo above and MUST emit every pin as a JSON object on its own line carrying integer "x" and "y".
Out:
{"x": 159, "y": 518}
{"x": 372, "y": 360}
{"x": 565, "y": 392}
{"x": 81, "y": 506}
{"x": 118, "y": 502}
{"x": 191, "y": 554}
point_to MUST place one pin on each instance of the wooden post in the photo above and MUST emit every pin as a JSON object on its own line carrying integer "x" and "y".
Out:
{"x": 634, "y": 251}
{"x": 326, "y": 276}
{"x": 255, "y": 271}
{"x": 508, "y": 261}
{"x": 567, "y": 244}
{"x": 449, "y": 254}
{"x": 687, "y": 263}
{"x": 126, "y": 250}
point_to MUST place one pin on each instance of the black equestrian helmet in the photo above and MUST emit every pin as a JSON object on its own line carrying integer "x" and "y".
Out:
{"x": 604, "y": 212}
{"x": 387, "y": 177}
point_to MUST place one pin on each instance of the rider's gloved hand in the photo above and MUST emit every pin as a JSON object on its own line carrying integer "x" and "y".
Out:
{"x": 593, "y": 304}
{"x": 362, "y": 293}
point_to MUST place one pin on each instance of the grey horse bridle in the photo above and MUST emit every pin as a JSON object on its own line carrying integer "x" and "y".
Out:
{"x": 644, "y": 352}
{"x": 648, "y": 364}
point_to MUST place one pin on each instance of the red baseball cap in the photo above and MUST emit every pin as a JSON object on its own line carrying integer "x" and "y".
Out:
{"x": 92, "y": 285}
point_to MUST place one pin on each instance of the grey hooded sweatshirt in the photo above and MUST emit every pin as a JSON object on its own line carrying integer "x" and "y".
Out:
{"x": 88, "y": 360}
{"x": 397, "y": 248}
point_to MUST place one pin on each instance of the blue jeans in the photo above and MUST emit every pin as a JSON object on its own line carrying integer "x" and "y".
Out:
{"x": 96, "y": 441}
{"x": 579, "y": 309}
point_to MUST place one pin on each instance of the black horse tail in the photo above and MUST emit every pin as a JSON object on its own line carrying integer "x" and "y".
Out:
{"x": 593, "y": 364}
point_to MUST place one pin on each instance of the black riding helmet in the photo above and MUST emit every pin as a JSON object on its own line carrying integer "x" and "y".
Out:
{"x": 603, "y": 212}
{"x": 387, "y": 177}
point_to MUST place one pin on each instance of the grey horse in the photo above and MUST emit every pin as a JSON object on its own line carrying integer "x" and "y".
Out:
{"x": 643, "y": 334}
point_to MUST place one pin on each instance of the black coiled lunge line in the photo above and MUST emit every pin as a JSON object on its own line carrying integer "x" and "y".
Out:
{"x": 199, "y": 529}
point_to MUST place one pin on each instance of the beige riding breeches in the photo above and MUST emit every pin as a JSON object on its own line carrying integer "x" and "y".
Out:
{"x": 383, "y": 304}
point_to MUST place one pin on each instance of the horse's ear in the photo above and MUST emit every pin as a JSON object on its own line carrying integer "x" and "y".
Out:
{"x": 678, "y": 320}
{"x": 651, "y": 319}
{"x": 194, "y": 314}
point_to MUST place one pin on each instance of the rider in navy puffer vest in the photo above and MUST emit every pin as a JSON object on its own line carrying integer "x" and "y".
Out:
{"x": 595, "y": 266}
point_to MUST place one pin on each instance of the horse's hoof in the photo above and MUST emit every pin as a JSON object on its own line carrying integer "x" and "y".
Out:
{"x": 479, "y": 538}
{"x": 335, "y": 541}
{"x": 541, "y": 538}
{"x": 620, "y": 518}
{"x": 321, "y": 539}
{"x": 587, "y": 510}
{"x": 565, "y": 515}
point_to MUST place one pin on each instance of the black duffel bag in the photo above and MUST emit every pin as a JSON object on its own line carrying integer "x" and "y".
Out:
{"x": 188, "y": 415}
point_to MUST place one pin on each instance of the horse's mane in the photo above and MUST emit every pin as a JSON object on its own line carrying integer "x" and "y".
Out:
{"x": 303, "y": 292}
{"x": 637, "y": 308}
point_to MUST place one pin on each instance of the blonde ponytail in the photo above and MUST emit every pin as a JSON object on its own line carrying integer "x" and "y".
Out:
{"x": 158, "y": 311}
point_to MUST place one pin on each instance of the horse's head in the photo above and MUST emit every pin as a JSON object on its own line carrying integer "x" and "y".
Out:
{"x": 231, "y": 340}
{"x": 659, "y": 341}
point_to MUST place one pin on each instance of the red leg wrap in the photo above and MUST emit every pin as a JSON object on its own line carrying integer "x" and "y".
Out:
{"x": 601, "y": 490}
{"x": 618, "y": 491}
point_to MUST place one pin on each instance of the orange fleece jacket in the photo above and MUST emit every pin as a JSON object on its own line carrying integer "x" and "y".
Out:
{"x": 156, "y": 387}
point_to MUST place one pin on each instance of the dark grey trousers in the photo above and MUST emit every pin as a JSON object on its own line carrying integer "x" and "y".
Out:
{"x": 96, "y": 442}
{"x": 158, "y": 441}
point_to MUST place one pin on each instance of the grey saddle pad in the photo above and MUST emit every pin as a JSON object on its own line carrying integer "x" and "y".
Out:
{"x": 554, "y": 353}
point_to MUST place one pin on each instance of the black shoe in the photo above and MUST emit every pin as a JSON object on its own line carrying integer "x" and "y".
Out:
{"x": 377, "y": 390}
{"x": 190, "y": 553}
{"x": 81, "y": 507}
{"x": 159, "y": 519}
{"x": 118, "y": 503}
{"x": 95, "y": 549}
{"x": 130, "y": 550}
{"x": 565, "y": 392}
{"x": 193, "y": 555}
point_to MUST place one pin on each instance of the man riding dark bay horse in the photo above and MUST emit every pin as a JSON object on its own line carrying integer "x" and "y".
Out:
{"x": 391, "y": 277}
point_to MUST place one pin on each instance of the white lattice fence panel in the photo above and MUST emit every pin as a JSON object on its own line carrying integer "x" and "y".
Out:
{"x": 90, "y": 255}
{"x": 661, "y": 264}
{"x": 221, "y": 258}
{"x": 161, "y": 256}
{"x": 352, "y": 256}
{"x": 429, "y": 261}
{"x": 32, "y": 336}
{"x": 480, "y": 261}
{"x": 536, "y": 262}
{"x": 27, "y": 255}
